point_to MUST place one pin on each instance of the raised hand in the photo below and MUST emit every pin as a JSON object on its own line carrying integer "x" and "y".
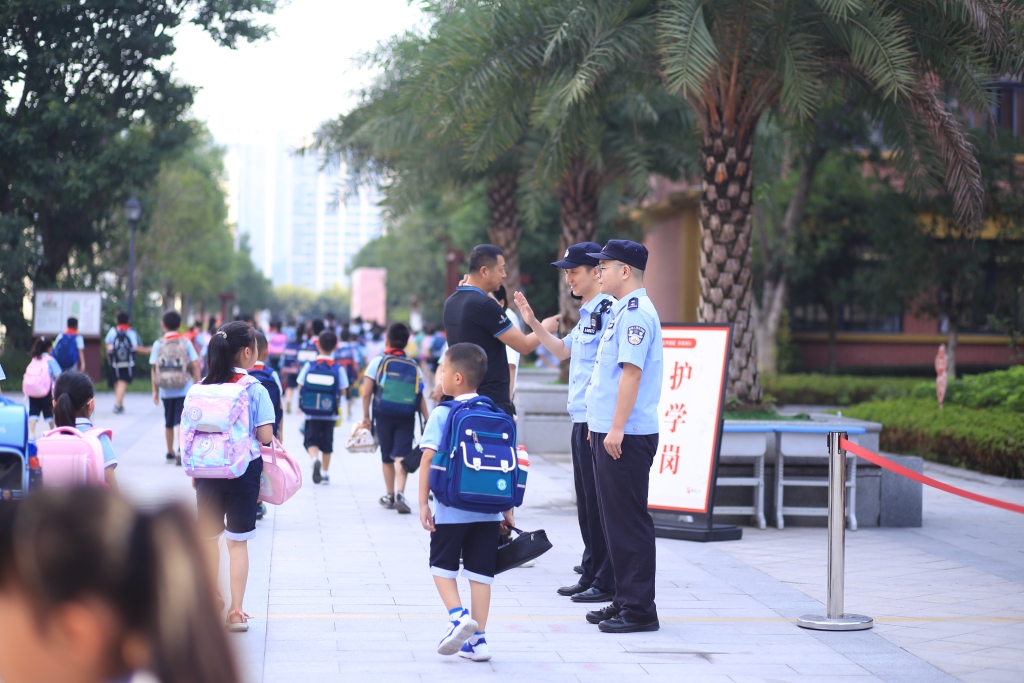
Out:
{"x": 525, "y": 309}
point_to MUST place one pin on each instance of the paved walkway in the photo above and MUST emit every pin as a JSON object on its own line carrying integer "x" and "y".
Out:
{"x": 342, "y": 591}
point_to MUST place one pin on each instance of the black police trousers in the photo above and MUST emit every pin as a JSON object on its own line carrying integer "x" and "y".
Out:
{"x": 597, "y": 566}
{"x": 622, "y": 487}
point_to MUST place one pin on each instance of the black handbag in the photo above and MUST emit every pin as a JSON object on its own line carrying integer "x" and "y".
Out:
{"x": 528, "y": 545}
{"x": 411, "y": 462}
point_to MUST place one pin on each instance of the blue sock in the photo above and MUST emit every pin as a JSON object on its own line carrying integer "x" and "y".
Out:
{"x": 455, "y": 613}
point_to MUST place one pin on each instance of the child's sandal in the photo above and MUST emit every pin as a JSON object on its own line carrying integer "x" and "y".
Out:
{"x": 238, "y": 626}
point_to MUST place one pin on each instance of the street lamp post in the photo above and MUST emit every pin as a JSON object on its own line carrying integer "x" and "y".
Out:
{"x": 132, "y": 211}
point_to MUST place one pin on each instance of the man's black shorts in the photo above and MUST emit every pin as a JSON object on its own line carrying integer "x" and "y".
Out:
{"x": 395, "y": 435}
{"x": 229, "y": 505}
{"x": 173, "y": 408}
{"x": 319, "y": 434}
{"x": 115, "y": 375}
{"x": 477, "y": 542}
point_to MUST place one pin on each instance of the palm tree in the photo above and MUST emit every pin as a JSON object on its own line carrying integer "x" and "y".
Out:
{"x": 734, "y": 59}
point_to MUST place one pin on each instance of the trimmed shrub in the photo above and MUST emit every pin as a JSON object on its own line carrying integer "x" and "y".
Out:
{"x": 989, "y": 440}
{"x": 1003, "y": 388}
{"x": 836, "y": 390}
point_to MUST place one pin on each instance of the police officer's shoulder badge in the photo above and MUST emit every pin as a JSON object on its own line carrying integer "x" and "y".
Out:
{"x": 633, "y": 304}
{"x": 635, "y": 334}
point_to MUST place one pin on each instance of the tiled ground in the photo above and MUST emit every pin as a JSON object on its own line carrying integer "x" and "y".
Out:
{"x": 342, "y": 591}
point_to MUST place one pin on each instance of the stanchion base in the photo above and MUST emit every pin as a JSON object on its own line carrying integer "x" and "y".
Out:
{"x": 847, "y": 622}
{"x": 699, "y": 532}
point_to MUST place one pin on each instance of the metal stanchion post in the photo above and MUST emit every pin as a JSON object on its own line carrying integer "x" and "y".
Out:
{"x": 834, "y": 619}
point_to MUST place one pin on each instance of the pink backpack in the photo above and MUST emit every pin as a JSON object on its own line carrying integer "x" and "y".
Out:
{"x": 37, "y": 381}
{"x": 282, "y": 477}
{"x": 69, "y": 457}
{"x": 276, "y": 344}
{"x": 216, "y": 438}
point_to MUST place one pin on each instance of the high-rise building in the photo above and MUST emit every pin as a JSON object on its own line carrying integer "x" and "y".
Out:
{"x": 303, "y": 227}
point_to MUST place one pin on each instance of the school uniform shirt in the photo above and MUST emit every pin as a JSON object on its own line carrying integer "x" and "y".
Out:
{"x": 582, "y": 343}
{"x": 432, "y": 434}
{"x": 193, "y": 355}
{"x": 472, "y": 316}
{"x": 133, "y": 336}
{"x": 84, "y": 424}
{"x": 342, "y": 381}
{"x": 261, "y": 410}
{"x": 2, "y": 375}
{"x": 53, "y": 366}
{"x": 510, "y": 353}
{"x": 633, "y": 336}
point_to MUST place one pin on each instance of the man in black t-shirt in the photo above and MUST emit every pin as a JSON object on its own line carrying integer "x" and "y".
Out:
{"x": 472, "y": 316}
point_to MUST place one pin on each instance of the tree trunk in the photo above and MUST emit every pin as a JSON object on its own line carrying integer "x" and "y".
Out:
{"x": 578, "y": 193}
{"x": 726, "y": 254}
{"x": 504, "y": 230}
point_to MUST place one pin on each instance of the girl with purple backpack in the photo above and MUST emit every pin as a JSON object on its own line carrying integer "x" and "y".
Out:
{"x": 226, "y": 494}
{"x": 43, "y": 370}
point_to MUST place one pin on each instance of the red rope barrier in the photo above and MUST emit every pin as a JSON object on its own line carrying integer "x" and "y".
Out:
{"x": 911, "y": 474}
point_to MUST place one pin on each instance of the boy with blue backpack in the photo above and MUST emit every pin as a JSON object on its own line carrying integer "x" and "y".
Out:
{"x": 321, "y": 383}
{"x": 393, "y": 385}
{"x": 470, "y": 445}
{"x": 69, "y": 348}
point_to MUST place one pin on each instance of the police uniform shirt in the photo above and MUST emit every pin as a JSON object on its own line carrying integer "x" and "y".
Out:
{"x": 582, "y": 342}
{"x": 633, "y": 336}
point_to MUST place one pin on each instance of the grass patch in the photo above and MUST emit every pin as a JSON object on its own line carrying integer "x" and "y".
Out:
{"x": 767, "y": 414}
{"x": 989, "y": 440}
{"x": 836, "y": 390}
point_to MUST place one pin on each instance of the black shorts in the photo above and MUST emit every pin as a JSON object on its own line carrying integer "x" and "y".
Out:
{"x": 230, "y": 504}
{"x": 291, "y": 380}
{"x": 319, "y": 433}
{"x": 395, "y": 435}
{"x": 173, "y": 408}
{"x": 477, "y": 542}
{"x": 352, "y": 392}
{"x": 120, "y": 375}
{"x": 41, "y": 407}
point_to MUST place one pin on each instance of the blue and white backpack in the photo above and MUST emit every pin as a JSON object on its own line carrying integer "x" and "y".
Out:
{"x": 321, "y": 390}
{"x": 397, "y": 391}
{"x": 476, "y": 465}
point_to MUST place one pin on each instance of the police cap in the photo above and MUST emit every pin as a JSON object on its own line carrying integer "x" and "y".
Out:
{"x": 631, "y": 253}
{"x": 578, "y": 255}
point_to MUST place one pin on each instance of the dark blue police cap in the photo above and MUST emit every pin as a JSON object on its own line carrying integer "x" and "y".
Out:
{"x": 631, "y": 253}
{"x": 578, "y": 255}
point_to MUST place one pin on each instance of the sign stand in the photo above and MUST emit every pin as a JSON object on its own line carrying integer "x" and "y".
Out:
{"x": 688, "y": 517}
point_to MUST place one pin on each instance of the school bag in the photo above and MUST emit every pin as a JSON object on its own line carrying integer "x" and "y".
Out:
{"x": 216, "y": 438}
{"x": 346, "y": 357}
{"x": 65, "y": 352}
{"x": 122, "y": 354}
{"x": 172, "y": 364}
{"x": 289, "y": 359}
{"x": 70, "y": 458}
{"x": 475, "y": 467}
{"x": 437, "y": 346}
{"x": 266, "y": 378}
{"x": 37, "y": 381}
{"x": 282, "y": 476}
{"x": 276, "y": 343}
{"x": 397, "y": 390}
{"x": 321, "y": 390}
{"x": 307, "y": 353}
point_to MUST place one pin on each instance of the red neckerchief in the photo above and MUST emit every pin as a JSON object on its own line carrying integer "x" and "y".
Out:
{"x": 394, "y": 352}
{"x": 70, "y": 332}
{"x": 124, "y": 328}
{"x": 235, "y": 377}
{"x": 172, "y": 335}
{"x": 259, "y": 365}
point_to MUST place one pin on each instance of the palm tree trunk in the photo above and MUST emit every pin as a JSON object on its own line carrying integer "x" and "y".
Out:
{"x": 578, "y": 193}
{"x": 504, "y": 230}
{"x": 727, "y": 252}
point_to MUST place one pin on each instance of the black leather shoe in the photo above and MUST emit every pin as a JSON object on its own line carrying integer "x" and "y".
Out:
{"x": 597, "y": 616}
{"x": 593, "y": 594}
{"x": 578, "y": 569}
{"x": 572, "y": 590}
{"x": 619, "y": 625}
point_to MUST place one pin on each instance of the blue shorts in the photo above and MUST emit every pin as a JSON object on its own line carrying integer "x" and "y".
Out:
{"x": 395, "y": 435}
{"x": 229, "y": 505}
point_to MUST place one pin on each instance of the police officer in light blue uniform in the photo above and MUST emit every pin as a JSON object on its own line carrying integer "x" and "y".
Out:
{"x": 597, "y": 584}
{"x": 622, "y": 414}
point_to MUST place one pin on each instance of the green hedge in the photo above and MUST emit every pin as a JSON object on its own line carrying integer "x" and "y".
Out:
{"x": 835, "y": 390}
{"x": 989, "y": 440}
{"x": 1003, "y": 388}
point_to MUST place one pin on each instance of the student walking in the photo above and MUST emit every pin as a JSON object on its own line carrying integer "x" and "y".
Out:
{"x": 123, "y": 345}
{"x": 93, "y": 591}
{"x": 69, "y": 348}
{"x": 394, "y": 386}
{"x": 349, "y": 355}
{"x": 270, "y": 380}
{"x": 290, "y": 365}
{"x": 456, "y": 533}
{"x": 174, "y": 368}
{"x": 73, "y": 405}
{"x": 321, "y": 383}
{"x": 37, "y": 384}
{"x": 228, "y": 505}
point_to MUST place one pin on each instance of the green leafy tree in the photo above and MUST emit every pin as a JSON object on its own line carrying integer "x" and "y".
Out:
{"x": 89, "y": 109}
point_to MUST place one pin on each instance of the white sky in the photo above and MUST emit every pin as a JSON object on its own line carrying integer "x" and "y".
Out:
{"x": 299, "y": 77}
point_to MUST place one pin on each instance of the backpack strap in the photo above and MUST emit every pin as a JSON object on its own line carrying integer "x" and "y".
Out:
{"x": 97, "y": 432}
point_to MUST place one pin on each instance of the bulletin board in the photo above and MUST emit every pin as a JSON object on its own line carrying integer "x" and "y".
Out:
{"x": 53, "y": 307}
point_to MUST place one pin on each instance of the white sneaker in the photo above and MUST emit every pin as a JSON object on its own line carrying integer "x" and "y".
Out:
{"x": 460, "y": 630}
{"x": 478, "y": 651}
{"x": 324, "y": 478}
